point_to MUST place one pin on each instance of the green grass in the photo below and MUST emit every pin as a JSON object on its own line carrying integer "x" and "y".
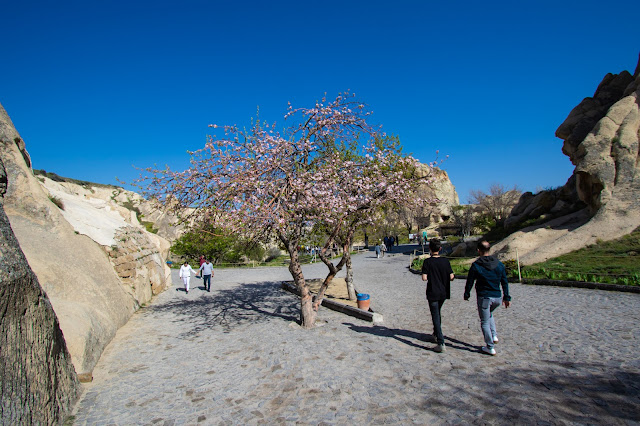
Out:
{"x": 611, "y": 262}
{"x": 457, "y": 264}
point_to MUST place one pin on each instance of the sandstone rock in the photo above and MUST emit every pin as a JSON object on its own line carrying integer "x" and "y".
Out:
{"x": 38, "y": 384}
{"x": 459, "y": 250}
{"x": 552, "y": 203}
{"x": 602, "y": 140}
{"x": 167, "y": 224}
{"x": 441, "y": 189}
{"x": 70, "y": 254}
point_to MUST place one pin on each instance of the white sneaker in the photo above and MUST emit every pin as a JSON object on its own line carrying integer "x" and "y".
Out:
{"x": 487, "y": 350}
{"x": 495, "y": 339}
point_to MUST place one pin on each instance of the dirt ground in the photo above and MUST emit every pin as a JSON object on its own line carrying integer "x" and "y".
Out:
{"x": 337, "y": 291}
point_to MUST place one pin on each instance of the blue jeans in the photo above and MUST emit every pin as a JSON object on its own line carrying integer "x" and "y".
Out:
{"x": 207, "y": 282}
{"x": 486, "y": 306}
{"x": 435, "y": 306}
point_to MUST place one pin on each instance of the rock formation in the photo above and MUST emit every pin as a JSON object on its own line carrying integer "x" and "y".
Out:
{"x": 440, "y": 188}
{"x": 92, "y": 291}
{"x": 445, "y": 192}
{"x": 109, "y": 216}
{"x": 601, "y": 137}
{"x": 546, "y": 205}
{"x": 38, "y": 383}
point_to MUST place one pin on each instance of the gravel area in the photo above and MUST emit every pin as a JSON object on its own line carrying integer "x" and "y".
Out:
{"x": 237, "y": 356}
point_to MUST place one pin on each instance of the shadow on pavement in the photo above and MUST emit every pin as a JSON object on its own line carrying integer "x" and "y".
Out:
{"x": 227, "y": 309}
{"x": 552, "y": 392}
{"x": 409, "y": 337}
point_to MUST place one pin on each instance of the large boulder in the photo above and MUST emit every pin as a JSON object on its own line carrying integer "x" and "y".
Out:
{"x": 441, "y": 189}
{"x": 68, "y": 249}
{"x": 546, "y": 205}
{"x": 601, "y": 137}
{"x": 38, "y": 383}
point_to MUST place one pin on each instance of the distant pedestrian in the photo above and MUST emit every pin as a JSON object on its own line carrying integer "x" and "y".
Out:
{"x": 391, "y": 241}
{"x": 206, "y": 271}
{"x": 397, "y": 241}
{"x": 378, "y": 250}
{"x": 489, "y": 274}
{"x": 383, "y": 248}
{"x": 185, "y": 274}
{"x": 437, "y": 272}
{"x": 201, "y": 260}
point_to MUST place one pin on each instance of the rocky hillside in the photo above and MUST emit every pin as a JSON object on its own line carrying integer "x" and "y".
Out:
{"x": 601, "y": 200}
{"x": 38, "y": 384}
{"x": 92, "y": 257}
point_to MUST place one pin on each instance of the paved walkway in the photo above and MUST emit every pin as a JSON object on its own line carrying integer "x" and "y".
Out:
{"x": 235, "y": 356}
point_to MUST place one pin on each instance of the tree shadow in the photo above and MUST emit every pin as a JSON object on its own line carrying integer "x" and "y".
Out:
{"x": 554, "y": 392}
{"x": 411, "y": 338}
{"x": 228, "y": 309}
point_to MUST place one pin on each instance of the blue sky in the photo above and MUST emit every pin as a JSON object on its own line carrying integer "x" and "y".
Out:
{"x": 96, "y": 87}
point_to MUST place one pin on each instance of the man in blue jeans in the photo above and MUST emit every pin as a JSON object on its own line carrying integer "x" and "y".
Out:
{"x": 489, "y": 274}
{"x": 206, "y": 270}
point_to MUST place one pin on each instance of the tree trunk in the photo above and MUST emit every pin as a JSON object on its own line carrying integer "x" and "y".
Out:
{"x": 333, "y": 271}
{"x": 349, "y": 279}
{"x": 307, "y": 313}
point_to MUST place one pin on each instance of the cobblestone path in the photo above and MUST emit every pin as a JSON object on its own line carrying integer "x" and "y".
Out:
{"x": 236, "y": 356}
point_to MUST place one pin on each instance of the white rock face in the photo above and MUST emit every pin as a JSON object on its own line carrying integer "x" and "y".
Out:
{"x": 94, "y": 217}
{"x": 70, "y": 251}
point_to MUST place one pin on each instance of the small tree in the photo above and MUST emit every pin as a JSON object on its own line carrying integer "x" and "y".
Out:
{"x": 497, "y": 204}
{"x": 217, "y": 245}
{"x": 263, "y": 184}
{"x": 462, "y": 217}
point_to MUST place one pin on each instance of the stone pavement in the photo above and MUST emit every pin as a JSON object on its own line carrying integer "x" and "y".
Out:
{"x": 236, "y": 356}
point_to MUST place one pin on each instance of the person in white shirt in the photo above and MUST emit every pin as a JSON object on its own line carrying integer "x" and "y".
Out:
{"x": 185, "y": 274}
{"x": 206, "y": 270}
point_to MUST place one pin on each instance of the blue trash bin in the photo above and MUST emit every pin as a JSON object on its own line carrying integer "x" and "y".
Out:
{"x": 363, "y": 301}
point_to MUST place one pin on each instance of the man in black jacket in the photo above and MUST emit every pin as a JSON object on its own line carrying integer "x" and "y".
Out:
{"x": 489, "y": 274}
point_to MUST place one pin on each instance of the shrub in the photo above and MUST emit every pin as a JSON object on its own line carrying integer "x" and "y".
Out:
{"x": 272, "y": 254}
{"x": 57, "y": 201}
{"x": 512, "y": 267}
{"x": 149, "y": 227}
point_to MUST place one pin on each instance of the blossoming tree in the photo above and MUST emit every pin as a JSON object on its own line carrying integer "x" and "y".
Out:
{"x": 328, "y": 167}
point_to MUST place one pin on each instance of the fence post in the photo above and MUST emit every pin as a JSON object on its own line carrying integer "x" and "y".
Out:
{"x": 518, "y": 262}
